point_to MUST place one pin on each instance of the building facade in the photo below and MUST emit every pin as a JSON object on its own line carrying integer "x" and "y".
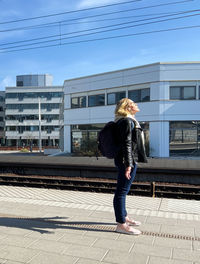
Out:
{"x": 2, "y": 118}
{"x": 168, "y": 95}
{"x": 33, "y": 99}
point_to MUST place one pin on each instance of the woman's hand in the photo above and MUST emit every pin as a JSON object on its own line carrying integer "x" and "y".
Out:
{"x": 128, "y": 173}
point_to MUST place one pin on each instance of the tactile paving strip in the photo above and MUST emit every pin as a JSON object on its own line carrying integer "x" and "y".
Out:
{"x": 97, "y": 227}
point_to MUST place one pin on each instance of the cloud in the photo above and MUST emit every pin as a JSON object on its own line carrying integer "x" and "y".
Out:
{"x": 7, "y": 81}
{"x": 51, "y": 6}
{"x": 94, "y": 3}
{"x": 9, "y": 14}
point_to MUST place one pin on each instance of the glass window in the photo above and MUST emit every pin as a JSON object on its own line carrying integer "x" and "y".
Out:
{"x": 84, "y": 138}
{"x": 78, "y": 102}
{"x": 74, "y": 102}
{"x": 175, "y": 93}
{"x": 145, "y": 95}
{"x": 21, "y": 97}
{"x": 189, "y": 93}
{"x": 21, "y": 107}
{"x": 182, "y": 92}
{"x": 19, "y": 83}
{"x": 11, "y": 95}
{"x": 2, "y": 99}
{"x": 141, "y": 95}
{"x": 184, "y": 138}
{"x": 145, "y": 127}
{"x": 134, "y": 95}
{"x": 113, "y": 98}
{"x": 34, "y": 128}
{"x": 96, "y": 100}
{"x": 82, "y": 101}
{"x": 47, "y": 95}
{"x": 12, "y": 128}
{"x": 49, "y": 107}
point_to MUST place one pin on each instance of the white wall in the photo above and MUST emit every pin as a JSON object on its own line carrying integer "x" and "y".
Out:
{"x": 159, "y": 139}
{"x": 67, "y": 138}
{"x": 158, "y": 112}
{"x": 180, "y": 71}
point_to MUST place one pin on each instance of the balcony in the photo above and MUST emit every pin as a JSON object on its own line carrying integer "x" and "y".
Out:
{"x": 33, "y": 100}
{"x": 31, "y": 123}
{"x": 32, "y": 111}
{"x": 32, "y": 135}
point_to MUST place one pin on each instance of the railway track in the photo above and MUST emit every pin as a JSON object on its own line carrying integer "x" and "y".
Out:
{"x": 151, "y": 189}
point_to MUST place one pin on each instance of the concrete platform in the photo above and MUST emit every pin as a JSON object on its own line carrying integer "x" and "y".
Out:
{"x": 183, "y": 171}
{"x": 37, "y": 159}
{"x": 40, "y": 226}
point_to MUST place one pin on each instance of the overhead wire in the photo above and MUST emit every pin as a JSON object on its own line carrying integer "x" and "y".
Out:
{"x": 106, "y": 38}
{"x": 97, "y": 15}
{"x": 61, "y": 23}
{"x": 55, "y": 24}
{"x": 103, "y": 31}
{"x": 74, "y": 11}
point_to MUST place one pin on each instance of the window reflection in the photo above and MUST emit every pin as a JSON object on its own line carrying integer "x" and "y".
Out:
{"x": 84, "y": 138}
{"x": 21, "y": 96}
{"x": 113, "y": 98}
{"x": 22, "y": 107}
{"x": 96, "y": 100}
{"x": 78, "y": 102}
{"x": 141, "y": 95}
{"x": 184, "y": 137}
{"x": 182, "y": 92}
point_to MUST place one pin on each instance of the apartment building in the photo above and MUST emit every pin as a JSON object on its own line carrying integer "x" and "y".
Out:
{"x": 168, "y": 95}
{"x": 33, "y": 111}
{"x": 2, "y": 118}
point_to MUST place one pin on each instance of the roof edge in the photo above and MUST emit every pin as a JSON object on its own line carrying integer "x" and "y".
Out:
{"x": 136, "y": 67}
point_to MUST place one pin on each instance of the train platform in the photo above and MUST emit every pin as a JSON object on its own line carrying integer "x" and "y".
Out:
{"x": 38, "y": 159}
{"x": 40, "y": 226}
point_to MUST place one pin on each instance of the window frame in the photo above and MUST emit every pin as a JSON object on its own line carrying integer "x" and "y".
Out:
{"x": 181, "y": 92}
{"x": 139, "y": 91}
{"x": 116, "y": 99}
{"x": 79, "y": 104}
{"x": 96, "y": 96}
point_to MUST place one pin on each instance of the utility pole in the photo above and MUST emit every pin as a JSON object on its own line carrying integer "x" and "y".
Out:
{"x": 39, "y": 113}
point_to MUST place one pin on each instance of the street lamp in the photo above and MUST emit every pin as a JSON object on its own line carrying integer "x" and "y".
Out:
{"x": 39, "y": 113}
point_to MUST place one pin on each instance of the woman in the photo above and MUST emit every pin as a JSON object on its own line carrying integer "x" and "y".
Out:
{"x": 125, "y": 119}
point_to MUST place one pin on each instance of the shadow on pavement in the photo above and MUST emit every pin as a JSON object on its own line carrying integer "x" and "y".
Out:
{"x": 41, "y": 224}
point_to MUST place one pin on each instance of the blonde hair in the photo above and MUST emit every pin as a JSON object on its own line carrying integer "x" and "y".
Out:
{"x": 122, "y": 107}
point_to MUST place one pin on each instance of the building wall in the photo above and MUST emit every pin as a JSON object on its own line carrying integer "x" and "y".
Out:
{"x": 22, "y": 113}
{"x": 34, "y": 80}
{"x": 159, "y": 111}
{"x": 2, "y": 118}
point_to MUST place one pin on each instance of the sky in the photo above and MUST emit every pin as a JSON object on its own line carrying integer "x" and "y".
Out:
{"x": 60, "y": 37}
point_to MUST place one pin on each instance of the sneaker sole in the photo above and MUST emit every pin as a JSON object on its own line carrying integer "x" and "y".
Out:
{"x": 128, "y": 233}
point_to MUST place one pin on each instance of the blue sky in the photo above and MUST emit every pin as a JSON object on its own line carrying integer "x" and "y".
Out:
{"x": 87, "y": 58}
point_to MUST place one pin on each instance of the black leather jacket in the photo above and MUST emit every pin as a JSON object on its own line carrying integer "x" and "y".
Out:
{"x": 131, "y": 142}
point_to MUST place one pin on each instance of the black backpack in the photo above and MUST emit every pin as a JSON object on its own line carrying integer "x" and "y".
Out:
{"x": 109, "y": 146}
{"x": 107, "y": 140}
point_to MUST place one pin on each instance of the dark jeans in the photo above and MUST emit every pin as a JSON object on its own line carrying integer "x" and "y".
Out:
{"x": 123, "y": 187}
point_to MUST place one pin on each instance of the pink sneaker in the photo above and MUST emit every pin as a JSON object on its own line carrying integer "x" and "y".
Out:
{"x": 126, "y": 229}
{"x": 132, "y": 222}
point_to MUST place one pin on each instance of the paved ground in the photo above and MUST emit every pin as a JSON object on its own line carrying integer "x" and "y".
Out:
{"x": 40, "y": 226}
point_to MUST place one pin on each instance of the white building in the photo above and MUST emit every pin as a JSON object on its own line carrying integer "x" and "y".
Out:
{"x": 168, "y": 95}
{"x": 22, "y": 111}
{"x": 2, "y": 118}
